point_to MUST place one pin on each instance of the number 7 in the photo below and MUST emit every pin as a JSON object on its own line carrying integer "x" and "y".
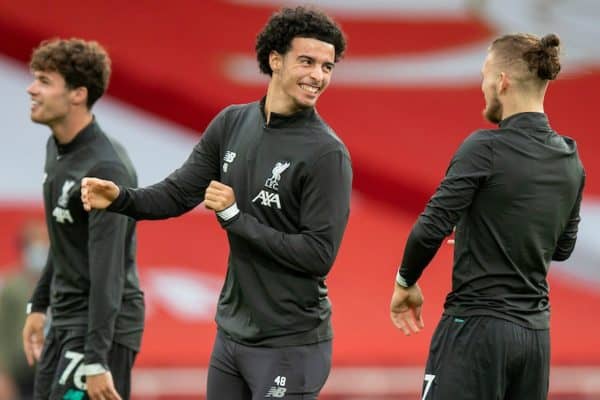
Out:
{"x": 429, "y": 379}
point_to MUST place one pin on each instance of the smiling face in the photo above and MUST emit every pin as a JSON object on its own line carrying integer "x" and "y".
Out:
{"x": 50, "y": 98}
{"x": 301, "y": 75}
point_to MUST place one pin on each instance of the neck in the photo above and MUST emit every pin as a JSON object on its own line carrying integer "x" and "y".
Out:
{"x": 66, "y": 130}
{"x": 277, "y": 101}
{"x": 520, "y": 104}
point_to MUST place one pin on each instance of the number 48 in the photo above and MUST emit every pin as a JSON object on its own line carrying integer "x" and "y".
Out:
{"x": 280, "y": 381}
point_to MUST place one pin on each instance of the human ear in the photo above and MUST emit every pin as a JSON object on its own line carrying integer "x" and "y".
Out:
{"x": 275, "y": 61}
{"x": 79, "y": 95}
{"x": 503, "y": 82}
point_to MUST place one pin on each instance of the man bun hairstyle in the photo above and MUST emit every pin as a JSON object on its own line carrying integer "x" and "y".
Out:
{"x": 288, "y": 23}
{"x": 541, "y": 55}
{"x": 81, "y": 63}
{"x": 547, "y": 63}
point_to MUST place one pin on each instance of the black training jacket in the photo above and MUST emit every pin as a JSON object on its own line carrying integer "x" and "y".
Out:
{"x": 292, "y": 181}
{"x": 513, "y": 194}
{"x": 90, "y": 280}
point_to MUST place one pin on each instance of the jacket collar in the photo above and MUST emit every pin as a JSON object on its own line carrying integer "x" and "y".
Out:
{"x": 535, "y": 120}
{"x": 286, "y": 121}
{"x": 84, "y": 136}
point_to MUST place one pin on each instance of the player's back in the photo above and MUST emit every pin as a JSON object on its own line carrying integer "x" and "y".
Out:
{"x": 506, "y": 239}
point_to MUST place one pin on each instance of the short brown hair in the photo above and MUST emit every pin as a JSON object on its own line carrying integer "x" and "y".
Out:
{"x": 80, "y": 62}
{"x": 540, "y": 55}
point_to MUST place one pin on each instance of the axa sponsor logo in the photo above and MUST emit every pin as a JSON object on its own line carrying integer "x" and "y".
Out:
{"x": 268, "y": 199}
{"x": 61, "y": 213}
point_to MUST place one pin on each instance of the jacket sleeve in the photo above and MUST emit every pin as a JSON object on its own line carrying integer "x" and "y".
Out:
{"x": 324, "y": 211}
{"x": 183, "y": 189}
{"x": 467, "y": 171}
{"x": 107, "y": 249}
{"x": 40, "y": 299}
{"x": 566, "y": 241}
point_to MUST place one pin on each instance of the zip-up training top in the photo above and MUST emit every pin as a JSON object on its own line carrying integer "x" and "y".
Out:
{"x": 514, "y": 195}
{"x": 292, "y": 181}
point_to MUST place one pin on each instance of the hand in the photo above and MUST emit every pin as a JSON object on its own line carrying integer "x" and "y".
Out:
{"x": 101, "y": 387}
{"x": 405, "y": 309}
{"x": 97, "y": 193}
{"x": 218, "y": 196}
{"x": 33, "y": 336}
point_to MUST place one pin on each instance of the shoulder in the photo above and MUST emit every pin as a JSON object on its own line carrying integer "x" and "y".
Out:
{"x": 227, "y": 118}
{"x": 327, "y": 138}
{"x": 111, "y": 160}
{"x": 482, "y": 136}
{"x": 234, "y": 111}
{"x": 479, "y": 139}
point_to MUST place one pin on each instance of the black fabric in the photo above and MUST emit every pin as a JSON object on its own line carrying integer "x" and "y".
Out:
{"x": 59, "y": 372}
{"x": 292, "y": 181}
{"x": 243, "y": 372}
{"x": 475, "y": 358}
{"x": 90, "y": 280}
{"x": 513, "y": 195}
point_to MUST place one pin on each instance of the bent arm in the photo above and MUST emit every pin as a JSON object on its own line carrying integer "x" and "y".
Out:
{"x": 324, "y": 211}
{"x": 566, "y": 242}
{"x": 468, "y": 170}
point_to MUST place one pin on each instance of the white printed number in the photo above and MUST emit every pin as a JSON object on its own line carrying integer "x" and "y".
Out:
{"x": 280, "y": 381}
{"x": 429, "y": 379}
{"x": 278, "y": 391}
{"x": 74, "y": 359}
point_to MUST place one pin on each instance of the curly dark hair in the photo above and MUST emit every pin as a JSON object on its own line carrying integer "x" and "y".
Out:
{"x": 289, "y": 23}
{"x": 80, "y": 62}
{"x": 541, "y": 55}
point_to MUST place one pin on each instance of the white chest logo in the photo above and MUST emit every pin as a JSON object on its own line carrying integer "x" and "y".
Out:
{"x": 268, "y": 198}
{"x": 60, "y": 212}
{"x": 63, "y": 200}
{"x": 228, "y": 158}
{"x": 278, "y": 169}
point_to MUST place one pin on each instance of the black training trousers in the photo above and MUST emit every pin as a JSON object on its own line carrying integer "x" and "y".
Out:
{"x": 487, "y": 358}
{"x": 60, "y": 373}
{"x": 250, "y": 373}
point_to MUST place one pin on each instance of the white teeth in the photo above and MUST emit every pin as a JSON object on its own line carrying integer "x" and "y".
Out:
{"x": 34, "y": 103}
{"x": 310, "y": 89}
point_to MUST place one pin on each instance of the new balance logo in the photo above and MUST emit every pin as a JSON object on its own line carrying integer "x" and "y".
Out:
{"x": 268, "y": 199}
{"x": 273, "y": 181}
{"x": 229, "y": 156}
{"x": 276, "y": 392}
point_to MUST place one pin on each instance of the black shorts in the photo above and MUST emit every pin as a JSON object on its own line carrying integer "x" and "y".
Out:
{"x": 59, "y": 374}
{"x": 486, "y": 358}
{"x": 250, "y": 373}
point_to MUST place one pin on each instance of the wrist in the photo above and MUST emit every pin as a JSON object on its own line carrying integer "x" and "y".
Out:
{"x": 229, "y": 212}
{"x": 401, "y": 281}
{"x": 32, "y": 308}
{"x": 95, "y": 369}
